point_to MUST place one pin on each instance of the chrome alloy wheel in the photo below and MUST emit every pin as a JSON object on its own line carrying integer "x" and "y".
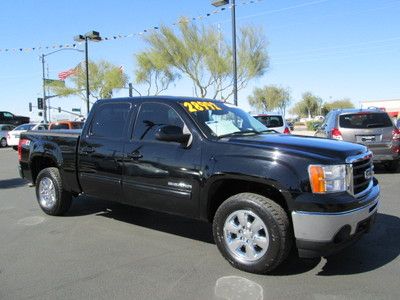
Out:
{"x": 47, "y": 193}
{"x": 246, "y": 235}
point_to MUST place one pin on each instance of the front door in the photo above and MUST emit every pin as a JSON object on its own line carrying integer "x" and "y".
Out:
{"x": 101, "y": 151}
{"x": 161, "y": 175}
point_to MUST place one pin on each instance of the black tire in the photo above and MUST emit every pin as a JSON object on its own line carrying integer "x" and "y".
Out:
{"x": 275, "y": 219}
{"x": 392, "y": 165}
{"x": 63, "y": 199}
{"x": 3, "y": 143}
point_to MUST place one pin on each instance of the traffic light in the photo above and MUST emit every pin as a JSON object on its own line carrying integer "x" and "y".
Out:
{"x": 30, "y": 106}
{"x": 59, "y": 109}
{"x": 40, "y": 103}
{"x": 40, "y": 114}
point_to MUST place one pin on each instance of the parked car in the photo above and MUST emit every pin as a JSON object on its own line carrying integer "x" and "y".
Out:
{"x": 274, "y": 121}
{"x": 4, "y": 129}
{"x": 14, "y": 135}
{"x": 9, "y": 118}
{"x": 65, "y": 125}
{"x": 208, "y": 160}
{"x": 370, "y": 127}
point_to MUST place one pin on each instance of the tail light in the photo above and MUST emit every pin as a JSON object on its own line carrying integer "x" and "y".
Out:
{"x": 396, "y": 134}
{"x": 286, "y": 131}
{"x": 336, "y": 134}
{"x": 396, "y": 138}
{"x": 21, "y": 143}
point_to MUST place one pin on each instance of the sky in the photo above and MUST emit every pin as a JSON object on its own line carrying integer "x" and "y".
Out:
{"x": 333, "y": 48}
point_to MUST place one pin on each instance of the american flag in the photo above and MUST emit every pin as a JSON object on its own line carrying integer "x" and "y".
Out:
{"x": 65, "y": 74}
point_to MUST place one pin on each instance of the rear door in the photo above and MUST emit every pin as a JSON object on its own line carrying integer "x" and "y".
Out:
{"x": 100, "y": 151}
{"x": 373, "y": 129}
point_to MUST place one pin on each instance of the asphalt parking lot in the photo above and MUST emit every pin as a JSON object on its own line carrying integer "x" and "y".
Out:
{"x": 103, "y": 250}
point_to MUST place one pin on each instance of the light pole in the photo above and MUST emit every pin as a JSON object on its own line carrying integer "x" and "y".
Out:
{"x": 42, "y": 58}
{"x": 217, "y": 3}
{"x": 90, "y": 36}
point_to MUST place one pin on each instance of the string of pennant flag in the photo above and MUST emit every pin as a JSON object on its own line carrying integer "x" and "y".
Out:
{"x": 123, "y": 36}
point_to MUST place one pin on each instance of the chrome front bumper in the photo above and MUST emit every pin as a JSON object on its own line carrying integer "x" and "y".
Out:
{"x": 322, "y": 227}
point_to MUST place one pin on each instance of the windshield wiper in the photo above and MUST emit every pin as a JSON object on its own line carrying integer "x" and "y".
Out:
{"x": 238, "y": 133}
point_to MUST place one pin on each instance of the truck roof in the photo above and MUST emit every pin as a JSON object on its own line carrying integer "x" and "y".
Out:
{"x": 163, "y": 98}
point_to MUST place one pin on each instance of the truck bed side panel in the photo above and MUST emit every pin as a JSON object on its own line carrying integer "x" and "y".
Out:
{"x": 57, "y": 147}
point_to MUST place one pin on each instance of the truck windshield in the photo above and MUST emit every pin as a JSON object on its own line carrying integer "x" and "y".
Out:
{"x": 219, "y": 119}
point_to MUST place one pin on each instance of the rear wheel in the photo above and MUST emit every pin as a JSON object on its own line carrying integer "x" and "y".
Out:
{"x": 3, "y": 143}
{"x": 392, "y": 165}
{"x": 52, "y": 199}
{"x": 252, "y": 232}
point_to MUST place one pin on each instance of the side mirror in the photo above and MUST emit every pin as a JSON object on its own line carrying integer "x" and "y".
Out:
{"x": 172, "y": 133}
{"x": 316, "y": 126}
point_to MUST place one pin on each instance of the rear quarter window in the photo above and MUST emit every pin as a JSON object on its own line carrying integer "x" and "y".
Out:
{"x": 365, "y": 120}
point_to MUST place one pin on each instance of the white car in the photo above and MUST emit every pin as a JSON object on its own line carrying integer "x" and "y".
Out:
{"x": 274, "y": 121}
{"x": 4, "y": 129}
{"x": 13, "y": 135}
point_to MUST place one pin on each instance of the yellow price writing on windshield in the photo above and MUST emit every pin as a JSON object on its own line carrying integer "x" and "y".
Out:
{"x": 195, "y": 106}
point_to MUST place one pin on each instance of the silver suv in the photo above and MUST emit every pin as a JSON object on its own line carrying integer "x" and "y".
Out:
{"x": 370, "y": 127}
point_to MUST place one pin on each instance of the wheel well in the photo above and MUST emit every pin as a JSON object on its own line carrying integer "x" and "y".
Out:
{"x": 223, "y": 189}
{"x": 40, "y": 163}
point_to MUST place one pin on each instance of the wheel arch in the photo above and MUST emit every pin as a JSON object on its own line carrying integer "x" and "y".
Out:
{"x": 40, "y": 162}
{"x": 223, "y": 188}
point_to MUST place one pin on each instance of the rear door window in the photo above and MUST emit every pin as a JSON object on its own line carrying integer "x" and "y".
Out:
{"x": 110, "y": 120}
{"x": 365, "y": 120}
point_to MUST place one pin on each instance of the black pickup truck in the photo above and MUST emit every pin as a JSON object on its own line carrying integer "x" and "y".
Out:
{"x": 8, "y": 118}
{"x": 208, "y": 160}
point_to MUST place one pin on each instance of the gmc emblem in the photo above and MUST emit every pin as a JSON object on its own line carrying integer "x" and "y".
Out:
{"x": 368, "y": 173}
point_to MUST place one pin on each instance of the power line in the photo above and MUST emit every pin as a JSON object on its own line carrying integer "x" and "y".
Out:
{"x": 366, "y": 45}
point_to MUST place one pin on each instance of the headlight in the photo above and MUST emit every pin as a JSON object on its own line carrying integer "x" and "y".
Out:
{"x": 328, "y": 178}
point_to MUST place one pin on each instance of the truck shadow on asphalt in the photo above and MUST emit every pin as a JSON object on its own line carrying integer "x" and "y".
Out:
{"x": 185, "y": 227}
{"x": 12, "y": 183}
{"x": 375, "y": 249}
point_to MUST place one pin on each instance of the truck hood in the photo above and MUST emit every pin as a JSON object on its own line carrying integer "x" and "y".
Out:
{"x": 302, "y": 145}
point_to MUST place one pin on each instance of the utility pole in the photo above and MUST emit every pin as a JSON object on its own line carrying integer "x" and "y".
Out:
{"x": 130, "y": 89}
{"x": 95, "y": 37}
{"x": 87, "y": 76}
{"x": 44, "y": 91}
{"x": 235, "y": 88}
{"x": 218, "y": 3}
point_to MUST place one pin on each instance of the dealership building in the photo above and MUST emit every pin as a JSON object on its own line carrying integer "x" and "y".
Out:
{"x": 392, "y": 107}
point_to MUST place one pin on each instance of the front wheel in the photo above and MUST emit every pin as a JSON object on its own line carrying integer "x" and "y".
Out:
{"x": 52, "y": 199}
{"x": 252, "y": 232}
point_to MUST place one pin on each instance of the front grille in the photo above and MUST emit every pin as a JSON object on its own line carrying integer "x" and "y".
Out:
{"x": 362, "y": 174}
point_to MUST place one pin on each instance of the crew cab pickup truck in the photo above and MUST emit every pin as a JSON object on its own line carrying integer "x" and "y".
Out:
{"x": 263, "y": 191}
